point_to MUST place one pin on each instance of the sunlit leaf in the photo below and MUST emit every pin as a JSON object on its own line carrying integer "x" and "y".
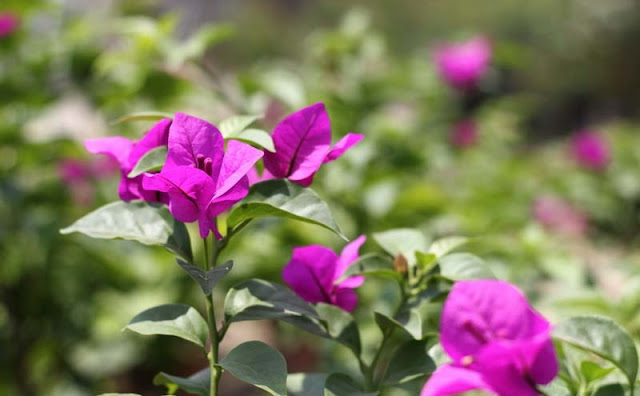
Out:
{"x": 172, "y": 319}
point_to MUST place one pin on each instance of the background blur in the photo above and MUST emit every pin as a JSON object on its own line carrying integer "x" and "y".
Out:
{"x": 567, "y": 233}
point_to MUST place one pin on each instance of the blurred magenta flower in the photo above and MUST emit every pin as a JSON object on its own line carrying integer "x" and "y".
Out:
{"x": 559, "y": 216}
{"x": 590, "y": 150}
{"x": 78, "y": 174}
{"x": 202, "y": 181}
{"x": 314, "y": 273}
{"x": 464, "y": 133}
{"x": 8, "y": 23}
{"x": 127, "y": 153}
{"x": 302, "y": 141}
{"x": 496, "y": 341}
{"x": 461, "y": 65}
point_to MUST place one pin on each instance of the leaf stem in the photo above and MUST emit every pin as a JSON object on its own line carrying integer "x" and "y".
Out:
{"x": 216, "y": 371}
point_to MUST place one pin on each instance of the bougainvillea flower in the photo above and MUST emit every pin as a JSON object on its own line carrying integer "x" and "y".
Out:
{"x": 8, "y": 23}
{"x": 590, "y": 150}
{"x": 314, "y": 273}
{"x": 302, "y": 141}
{"x": 462, "y": 65}
{"x": 559, "y": 216}
{"x": 201, "y": 179}
{"x": 464, "y": 134}
{"x": 127, "y": 153}
{"x": 496, "y": 341}
{"x": 78, "y": 175}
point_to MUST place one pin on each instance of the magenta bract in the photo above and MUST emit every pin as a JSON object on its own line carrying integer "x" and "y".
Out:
{"x": 496, "y": 341}
{"x": 127, "y": 153}
{"x": 462, "y": 65}
{"x": 302, "y": 142}
{"x": 8, "y": 23}
{"x": 201, "y": 179}
{"x": 590, "y": 150}
{"x": 314, "y": 273}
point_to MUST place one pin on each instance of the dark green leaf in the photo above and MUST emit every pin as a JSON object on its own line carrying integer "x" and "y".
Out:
{"x": 140, "y": 221}
{"x": 343, "y": 385}
{"x": 408, "y": 363}
{"x": 172, "y": 319}
{"x": 258, "y": 364}
{"x": 306, "y": 384}
{"x": 282, "y": 198}
{"x": 232, "y": 126}
{"x": 256, "y": 299}
{"x": 153, "y": 160}
{"x": 199, "y": 383}
{"x": 340, "y": 326}
{"x": 417, "y": 321}
{"x": 605, "y": 338}
{"x": 206, "y": 279}
{"x": 459, "y": 266}
{"x": 611, "y": 390}
{"x": 144, "y": 116}
{"x": 405, "y": 241}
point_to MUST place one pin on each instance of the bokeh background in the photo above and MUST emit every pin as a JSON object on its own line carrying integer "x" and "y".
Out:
{"x": 564, "y": 231}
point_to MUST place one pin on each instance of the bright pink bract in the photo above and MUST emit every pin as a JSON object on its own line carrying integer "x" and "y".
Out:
{"x": 590, "y": 150}
{"x": 462, "y": 65}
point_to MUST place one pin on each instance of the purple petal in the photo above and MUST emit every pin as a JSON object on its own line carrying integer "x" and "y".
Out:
{"x": 462, "y": 65}
{"x": 501, "y": 368}
{"x": 190, "y": 190}
{"x": 238, "y": 161}
{"x": 452, "y": 380}
{"x": 344, "y": 144}
{"x": 116, "y": 147}
{"x": 301, "y": 141}
{"x": 223, "y": 202}
{"x": 190, "y": 136}
{"x": 477, "y": 312}
{"x": 157, "y": 136}
{"x": 345, "y": 298}
{"x": 348, "y": 256}
{"x": 540, "y": 356}
{"x": 309, "y": 272}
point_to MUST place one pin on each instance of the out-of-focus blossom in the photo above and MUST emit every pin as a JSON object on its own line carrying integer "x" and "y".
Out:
{"x": 464, "y": 134}
{"x": 559, "y": 216}
{"x": 590, "y": 150}
{"x": 314, "y": 273}
{"x": 496, "y": 341}
{"x": 79, "y": 174}
{"x": 201, "y": 179}
{"x": 302, "y": 142}
{"x": 461, "y": 65}
{"x": 127, "y": 153}
{"x": 8, "y": 23}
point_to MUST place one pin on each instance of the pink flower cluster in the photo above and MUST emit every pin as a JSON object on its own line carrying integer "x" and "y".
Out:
{"x": 9, "y": 22}
{"x": 462, "y": 65}
{"x": 590, "y": 150}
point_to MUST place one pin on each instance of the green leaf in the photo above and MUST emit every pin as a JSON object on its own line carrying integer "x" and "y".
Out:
{"x": 153, "y": 160}
{"x": 425, "y": 261}
{"x": 177, "y": 320}
{"x": 405, "y": 241}
{"x": 556, "y": 388}
{"x": 416, "y": 322}
{"x": 372, "y": 264}
{"x": 302, "y": 384}
{"x": 232, "y": 126}
{"x": 258, "y": 364}
{"x": 255, "y": 137}
{"x": 408, "y": 363}
{"x": 593, "y": 371}
{"x": 256, "y": 299}
{"x": 343, "y": 385}
{"x": 445, "y": 245}
{"x": 198, "y": 383}
{"x": 143, "y": 116}
{"x": 459, "y": 266}
{"x": 206, "y": 279}
{"x": 340, "y": 326}
{"x": 603, "y": 337}
{"x": 197, "y": 44}
{"x": 611, "y": 390}
{"x": 282, "y": 198}
{"x": 149, "y": 224}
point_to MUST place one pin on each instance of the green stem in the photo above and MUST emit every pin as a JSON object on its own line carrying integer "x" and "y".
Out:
{"x": 216, "y": 372}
